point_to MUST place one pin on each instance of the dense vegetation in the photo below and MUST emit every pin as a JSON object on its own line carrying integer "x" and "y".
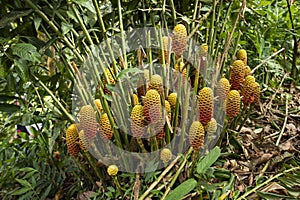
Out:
{"x": 43, "y": 43}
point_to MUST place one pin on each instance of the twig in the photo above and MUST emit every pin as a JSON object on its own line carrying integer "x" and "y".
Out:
{"x": 285, "y": 121}
{"x": 265, "y": 60}
{"x": 231, "y": 34}
{"x": 268, "y": 106}
{"x": 266, "y": 182}
{"x": 159, "y": 178}
{"x": 205, "y": 16}
{"x": 295, "y": 49}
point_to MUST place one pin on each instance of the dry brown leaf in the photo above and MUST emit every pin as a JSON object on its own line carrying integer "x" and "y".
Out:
{"x": 274, "y": 187}
{"x": 287, "y": 146}
{"x": 264, "y": 158}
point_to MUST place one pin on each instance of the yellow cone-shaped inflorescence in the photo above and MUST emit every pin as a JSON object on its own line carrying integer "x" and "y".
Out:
{"x": 223, "y": 88}
{"x": 179, "y": 39}
{"x": 242, "y": 55}
{"x": 137, "y": 121}
{"x": 106, "y": 131}
{"x": 179, "y": 67}
{"x": 172, "y": 98}
{"x": 256, "y": 92}
{"x": 83, "y": 142}
{"x": 88, "y": 121}
{"x": 196, "y": 135}
{"x": 152, "y": 106}
{"x": 112, "y": 170}
{"x": 165, "y": 47}
{"x": 233, "y": 102}
{"x": 156, "y": 82}
{"x": 237, "y": 74}
{"x": 205, "y": 105}
{"x": 165, "y": 155}
{"x": 248, "y": 71}
{"x": 204, "y": 47}
{"x": 247, "y": 90}
{"x": 72, "y": 140}
{"x": 168, "y": 109}
{"x": 135, "y": 99}
{"x": 108, "y": 72}
{"x": 211, "y": 127}
{"x": 98, "y": 104}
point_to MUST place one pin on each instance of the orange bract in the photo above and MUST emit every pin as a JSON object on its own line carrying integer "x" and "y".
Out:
{"x": 137, "y": 122}
{"x": 196, "y": 135}
{"x": 205, "y": 105}
{"x": 179, "y": 39}
{"x": 88, "y": 121}
{"x": 223, "y": 88}
{"x": 72, "y": 140}
{"x": 106, "y": 131}
{"x": 237, "y": 74}
{"x": 233, "y": 103}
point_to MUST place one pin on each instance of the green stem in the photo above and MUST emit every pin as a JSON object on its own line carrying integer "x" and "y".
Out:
{"x": 122, "y": 34}
{"x": 52, "y": 25}
{"x": 116, "y": 181}
{"x": 176, "y": 175}
{"x": 56, "y": 100}
{"x": 86, "y": 172}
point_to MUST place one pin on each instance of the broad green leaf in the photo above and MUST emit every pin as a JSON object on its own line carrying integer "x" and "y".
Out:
{"x": 182, "y": 190}
{"x": 26, "y": 51}
{"x": 21, "y": 191}
{"x": 208, "y": 160}
{"x": 47, "y": 191}
{"x": 24, "y": 183}
{"x": 21, "y": 66}
{"x": 9, "y": 108}
{"x": 66, "y": 27}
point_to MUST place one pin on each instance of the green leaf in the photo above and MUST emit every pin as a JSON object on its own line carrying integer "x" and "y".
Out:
{"x": 129, "y": 70}
{"x": 9, "y": 108}
{"x": 22, "y": 69}
{"x": 20, "y": 191}
{"x": 24, "y": 183}
{"x": 208, "y": 160}
{"x": 182, "y": 190}
{"x": 47, "y": 191}
{"x": 26, "y": 51}
{"x": 65, "y": 27}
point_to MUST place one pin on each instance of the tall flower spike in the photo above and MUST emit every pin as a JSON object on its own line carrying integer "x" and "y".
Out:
{"x": 211, "y": 127}
{"x": 172, "y": 98}
{"x": 72, "y": 140}
{"x": 108, "y": 72}
{"x": 166, "y": 155}
{"x": 156, "y": 82}
{"x": 242, "y": 55}
{"x": 247, "y": 71}
{"x": 196, "y": 135}
{"x": 106, "y": 131}
{"x": 256, "y": 92}
{"x": 137, "y": 122}
{"x": 152, "y": 106}
{"x": 98, "y": 104}
{"x": 179, "y": 39}
{"x": 88, "y": 121}
{"x": 233, "y": 103}
{"x": 223, "y": 88}
{"x": 83, "y": 142}
{"x": 205, "y": 105}
{"x": 237, "y": 74}
{"x": 247, "y": 90}
{"x": 165, "y": 47}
